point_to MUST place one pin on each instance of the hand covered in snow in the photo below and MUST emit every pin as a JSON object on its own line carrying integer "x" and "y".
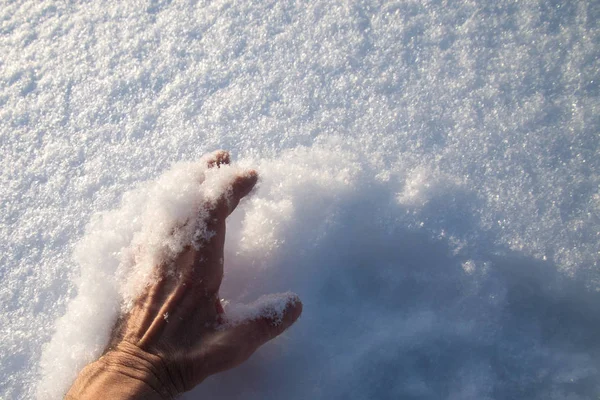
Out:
{"x": 175, "y": 336}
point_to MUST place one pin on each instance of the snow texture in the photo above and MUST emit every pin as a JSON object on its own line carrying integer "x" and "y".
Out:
{"x": 270, "y": 306}
{"x": 430, "y": 186}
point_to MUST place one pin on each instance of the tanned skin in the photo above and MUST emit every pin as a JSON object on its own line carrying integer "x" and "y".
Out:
{"x": 173, "y": 338}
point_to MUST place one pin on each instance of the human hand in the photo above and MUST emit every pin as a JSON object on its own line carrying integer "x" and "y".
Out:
{"x": 175, "y": 335}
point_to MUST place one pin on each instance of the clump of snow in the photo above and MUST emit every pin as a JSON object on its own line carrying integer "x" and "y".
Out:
{"x": 469, "y": 266}
{"x": 270, "y": 306}
{"x": 422, "y": 184}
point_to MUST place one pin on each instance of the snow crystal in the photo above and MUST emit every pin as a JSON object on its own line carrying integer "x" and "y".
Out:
{"x": 469, "y": 266}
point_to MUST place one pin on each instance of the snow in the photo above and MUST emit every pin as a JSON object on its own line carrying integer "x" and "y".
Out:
{"x": 429, "y": 186}
{"x": 271, "y": 306}
{"x": 118, "y": 255}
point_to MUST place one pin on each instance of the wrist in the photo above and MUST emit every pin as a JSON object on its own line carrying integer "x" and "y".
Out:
{"x": 125, "y": 372}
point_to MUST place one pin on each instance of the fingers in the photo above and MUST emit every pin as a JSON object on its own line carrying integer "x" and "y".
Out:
{"x": 201, "y": 263}
{"x": 275, "y": 315}
{"x": 266, "y": 319}
{"x": 208, "y": 260}
{"x": 218, "y": 158}
{"x": 241, "y": 187}
{"x": 241, "y": 184}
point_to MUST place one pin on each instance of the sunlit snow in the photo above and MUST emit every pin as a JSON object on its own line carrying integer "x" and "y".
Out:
{"x": 430, "y": 186}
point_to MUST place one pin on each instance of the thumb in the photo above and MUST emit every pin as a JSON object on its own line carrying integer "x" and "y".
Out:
{"x": 246, "y": 328}
{"x": 265, "y": 319}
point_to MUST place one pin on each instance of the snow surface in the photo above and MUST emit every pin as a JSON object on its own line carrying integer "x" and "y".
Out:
{"x": 430, "y": 184}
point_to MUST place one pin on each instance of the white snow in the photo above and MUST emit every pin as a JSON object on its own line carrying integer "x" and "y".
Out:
{"x": 271, "y": 306}
{"x": 430, "y": 186}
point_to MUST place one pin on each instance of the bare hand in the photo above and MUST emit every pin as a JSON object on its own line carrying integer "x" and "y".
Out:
{"x": 173, "y": 337}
